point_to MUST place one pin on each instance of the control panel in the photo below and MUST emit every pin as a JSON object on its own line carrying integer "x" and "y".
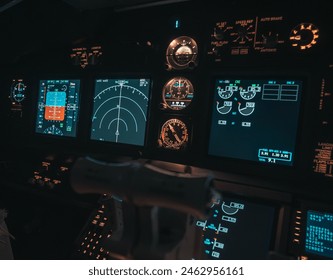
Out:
{"x": 245, "y": 92}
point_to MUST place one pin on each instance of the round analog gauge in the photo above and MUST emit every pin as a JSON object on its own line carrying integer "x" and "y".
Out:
{"x": 177, "y": 93}
{"x": 18, "y": 91}
{"x": 174, "y": 135}
{"x": 250, "y": 92}
{"x": 304, "y": 36}
{"x": 227, "y": 92}
{"x": 53, "y": 130}
{"x": 182, "y": 53}
{"x": 246, "y": 110}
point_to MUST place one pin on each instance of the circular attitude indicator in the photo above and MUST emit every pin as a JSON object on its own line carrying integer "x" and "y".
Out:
{"x": 182, "y": 53}
{"x": 304, "y": 36}
{"x": 177, "y": 93}
{"x": 174, "y": 135}
{"x": 120, "y": 110}
{"x": 18, "y": 91}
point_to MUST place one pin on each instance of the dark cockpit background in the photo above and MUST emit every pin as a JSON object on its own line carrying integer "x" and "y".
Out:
{"x": 242, "y": 89}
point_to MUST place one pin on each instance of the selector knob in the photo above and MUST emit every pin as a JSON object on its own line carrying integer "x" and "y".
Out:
{"x": 218, "y": 34}
{"x": 270, "y": 40}
{"x": 304, "y": 36}
{"x": 217, "y": 51}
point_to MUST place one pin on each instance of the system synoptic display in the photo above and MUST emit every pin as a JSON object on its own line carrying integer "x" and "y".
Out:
{"x": 255, "y": 119}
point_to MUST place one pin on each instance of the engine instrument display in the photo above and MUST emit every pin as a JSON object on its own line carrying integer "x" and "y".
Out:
{"x": 174, "y": 135}
{"x": 182, "y": 53}
{"x": 177, "y": 93}
{"x": 255, "y": 119}
{"x": 58, "y": 107}
{"x": 120, "y": 110}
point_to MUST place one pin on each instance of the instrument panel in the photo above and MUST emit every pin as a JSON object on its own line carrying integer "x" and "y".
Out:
{"x": 229, "y": 92}
{"x": 244, "y": 92}
{"x": 260, "y": 35}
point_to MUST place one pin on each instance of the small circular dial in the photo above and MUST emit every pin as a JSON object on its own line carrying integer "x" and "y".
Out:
{"x": 304, "y": 36}
{"x": 18, "y": 91}
{"x": 177, "y": 93}
{"x": 246, "y": 109}
{"x": 227, "y": 92}
{"x": 182, "y": 53}
{"x": 249, "y": 92}
{"x": 174, "y": 135}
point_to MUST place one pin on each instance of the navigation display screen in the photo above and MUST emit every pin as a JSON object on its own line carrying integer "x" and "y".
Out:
{"x": 120, "y": 110}
{"x": 319, "y": 234}
{"x": 58, "y": 107}
{"x": 255, "y": 119}
{"x": 237, "y": 229}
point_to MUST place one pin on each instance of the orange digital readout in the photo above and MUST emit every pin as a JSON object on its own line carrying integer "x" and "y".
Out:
{"x": 54, "y": 113}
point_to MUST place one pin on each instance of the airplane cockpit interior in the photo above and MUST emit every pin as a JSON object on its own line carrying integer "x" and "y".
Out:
{"x": 169, "y": 129}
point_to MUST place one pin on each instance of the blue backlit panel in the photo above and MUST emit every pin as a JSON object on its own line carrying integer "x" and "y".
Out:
{"x": 319, "y": 234}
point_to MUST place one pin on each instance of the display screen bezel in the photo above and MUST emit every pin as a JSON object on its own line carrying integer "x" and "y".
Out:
{"x": 275, "y": 205}
{"x": 119, "y": 76}
{"x": 313, "y": 254}
{"x": 231, "y": 161}
{"x": 77, "y": 125}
